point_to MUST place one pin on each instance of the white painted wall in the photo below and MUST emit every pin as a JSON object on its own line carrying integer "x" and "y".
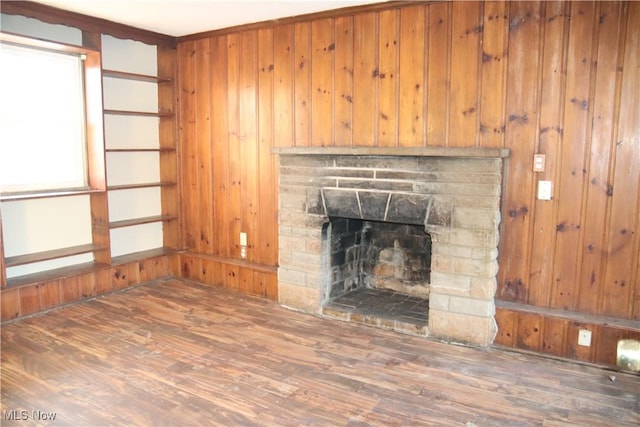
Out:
{"x": 132, "y": 132}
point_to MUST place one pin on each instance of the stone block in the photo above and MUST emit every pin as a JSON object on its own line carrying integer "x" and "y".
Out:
{"x": 457, "y": 189}
{"x": 290, "y": 243}
{"x": 349, "y": 173}
{"x": 452, "y": 250}
{"x": 407, "y": 208}
{"x": 441, "y": 263}
{"x": 457, "y": 164}
{"x": 299, "y": 298}
{"x": 489, "y": 254}
{"x": 483, "y": 287}
{"x": 474, "y": 307}
{"x": 438, "y": 213}
{"x": 440, "y": 280}
{"x": 373, "y": 204}
{"x": 471, "y": 238}
{"x": 463, "y": 328}
{"x": 438, "y": 302}
{"x": 314, "y": 203}
{"x": 341, "y": 203}
{"x": 312, "y": 162}
{"x": 289, "y": 275}
{"x": 474, "y": 267}
{"x": 475, "y": 219}
{"x": 488, "y": 202}
{"x": 386, "y": 162}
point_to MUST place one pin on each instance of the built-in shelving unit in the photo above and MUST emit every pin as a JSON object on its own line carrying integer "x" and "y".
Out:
{"x": 146, "y": 184}
{"x": 100, "y": 217}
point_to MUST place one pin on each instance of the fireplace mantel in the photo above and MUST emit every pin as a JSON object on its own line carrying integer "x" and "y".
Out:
{"x": 472, "y": 152}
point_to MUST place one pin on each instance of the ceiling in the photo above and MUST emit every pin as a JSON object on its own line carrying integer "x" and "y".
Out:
{"x": 182, "y": 17}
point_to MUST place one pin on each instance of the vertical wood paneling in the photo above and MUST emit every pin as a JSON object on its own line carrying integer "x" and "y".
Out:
{"x": 599, "y": 158}
{"x": 302, "y": 84}
{"x": 520, "y": 138}
{"x": 220, "y": 148}
{"x": 248, "y": 143}
{"x": 234, "y": 162}
{"x": 554, "y": 336}
{"x": 388, "y": 78}
{"x": 9, "y": 304}
{"x": 282, "y": 85}
{"x": 204, "y": 238}
{"x": 507, "y": 322}
{"x": 412, "y": 77}
{"x": 30, "y": 299}
{"x": 267, "y": 242}
{"x": 322, "y": 48}
{"x": 438, "y": 69}
{"x": 50, "y": 292}
{"x": 343, "y": 81}
{"x": 623, "y": 237}
{"x": 494, "y": 65}
{"x": 572, "y": 176}
{"x": 365, "y": 77}
{"x": 529, "y": 332}
{"x": 549, "y": 143}
{"x": 190, "y": 205}
{"x": 465, "y": 65}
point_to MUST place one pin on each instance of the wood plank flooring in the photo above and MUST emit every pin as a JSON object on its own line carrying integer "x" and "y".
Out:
{"x": 173, "y": 352}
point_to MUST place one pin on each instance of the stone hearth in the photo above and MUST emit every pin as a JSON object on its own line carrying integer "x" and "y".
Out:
{"x": 453, "y": 194}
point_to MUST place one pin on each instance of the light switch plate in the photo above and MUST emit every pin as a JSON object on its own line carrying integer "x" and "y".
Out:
{"x": 544, "y": 190}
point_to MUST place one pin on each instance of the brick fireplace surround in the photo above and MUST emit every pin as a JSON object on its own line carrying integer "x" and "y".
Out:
{"x": 453, "y": 192}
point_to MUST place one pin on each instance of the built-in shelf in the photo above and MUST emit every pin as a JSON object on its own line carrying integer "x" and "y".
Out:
{"x": 137, "y": 113}
{"x": 140, "y": 185}
{"x": 133, "y": 76}
{"x": 45, "y": 195}
{"x": 51, "y": 254}
{"x": 140, "y": 221}
{"x": 140, "y": 150}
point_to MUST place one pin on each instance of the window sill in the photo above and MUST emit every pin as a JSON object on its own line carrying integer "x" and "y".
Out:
{"x": 10, "y": 197}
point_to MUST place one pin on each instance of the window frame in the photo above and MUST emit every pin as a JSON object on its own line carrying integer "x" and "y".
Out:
{"x": 94, "y": 127}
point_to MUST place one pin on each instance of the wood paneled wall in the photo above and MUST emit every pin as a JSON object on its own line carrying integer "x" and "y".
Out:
{"x": 558, "y": 78}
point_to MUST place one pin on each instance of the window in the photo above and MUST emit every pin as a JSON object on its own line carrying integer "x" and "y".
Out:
{"x": 42, "y": 120}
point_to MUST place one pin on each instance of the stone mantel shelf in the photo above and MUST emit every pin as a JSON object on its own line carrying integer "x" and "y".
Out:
{"x": 459, "y": 152}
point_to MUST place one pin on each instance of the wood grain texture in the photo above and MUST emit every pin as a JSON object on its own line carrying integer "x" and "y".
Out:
{"x": 556, "y": 78}
{"x": 177, "y": 353}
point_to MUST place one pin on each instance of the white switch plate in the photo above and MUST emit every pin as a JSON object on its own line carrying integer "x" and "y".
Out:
{"x": 243, "y": 239}
{"x": 544, "y": 190}
{"x": 584, "y": 337}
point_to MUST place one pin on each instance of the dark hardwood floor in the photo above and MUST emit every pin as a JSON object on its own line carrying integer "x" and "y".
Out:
{"x": 177, "y": 353}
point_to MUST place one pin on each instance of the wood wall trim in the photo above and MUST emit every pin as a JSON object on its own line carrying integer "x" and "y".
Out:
{"x": 53, "y": 15}
{"x": 333, "y": 13}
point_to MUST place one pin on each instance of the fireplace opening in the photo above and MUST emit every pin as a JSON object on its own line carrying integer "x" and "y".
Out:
{"x": 378, "y": 273}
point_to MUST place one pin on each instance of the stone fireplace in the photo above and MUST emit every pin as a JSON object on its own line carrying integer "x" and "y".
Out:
{"x": 404, "y": 239}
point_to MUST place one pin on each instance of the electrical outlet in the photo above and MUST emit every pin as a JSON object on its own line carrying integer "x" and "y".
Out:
{"x": 243, "y": 239}
{"x": 538, "y": 162}
{"x": 584, "y": 337}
